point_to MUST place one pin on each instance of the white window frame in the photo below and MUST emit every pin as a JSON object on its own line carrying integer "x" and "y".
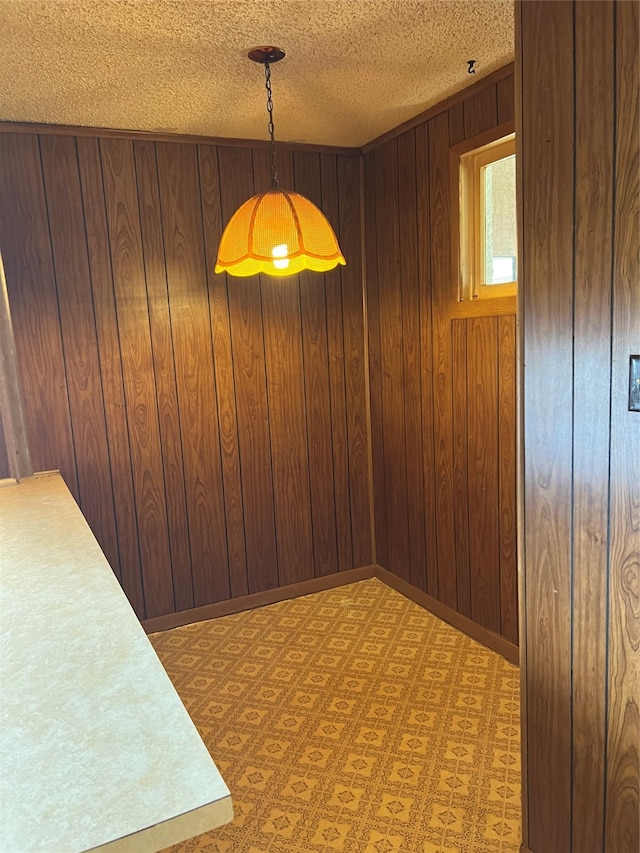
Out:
{"x": 471, "y": 213}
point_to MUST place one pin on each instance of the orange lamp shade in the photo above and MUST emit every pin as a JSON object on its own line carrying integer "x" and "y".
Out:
{"x": 278, "y": 233}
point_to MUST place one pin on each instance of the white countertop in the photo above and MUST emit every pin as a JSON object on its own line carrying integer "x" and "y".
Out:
{"x": 95, "y": 744}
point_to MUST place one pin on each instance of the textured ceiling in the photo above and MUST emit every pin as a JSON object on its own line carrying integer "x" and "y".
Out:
{"x": 354, "y": 68}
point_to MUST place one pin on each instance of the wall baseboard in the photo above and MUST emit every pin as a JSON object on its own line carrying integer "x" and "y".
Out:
{"x": 487, "y": 638}
{"x": 482, "y": 635}
{"x": 257, "y": 599}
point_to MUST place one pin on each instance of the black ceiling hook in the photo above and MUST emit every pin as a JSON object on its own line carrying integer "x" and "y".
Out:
{"x": 471, "y": 63}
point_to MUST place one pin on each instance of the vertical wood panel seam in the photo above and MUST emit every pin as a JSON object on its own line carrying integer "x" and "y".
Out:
{"x": 434, "y": 385}
{"x": 344, "y": 388}
{"x": 418, "y": 344}
{"x": 173, "y": 359}
{"x": 402, "y": 285}
{"x": 366, "y": 365}
{"x": 125, "y": 408}
{"x": 523, "y": 633}
{"x": 59, "y": 330}
{"x": 378, "y": 482}
{"x": 213, "y": 370}
{"x": 380, "y": 367}
{"x": 520, "y": 444}
{"x": 331, "y": 413}
{"x": 267, "y": 401}
{"x": 502, "y": 322}
{"x": 346, "y": 378}
{"x": 100, "y": 375}
{"x": 152, "y": 362}
{"x": 549, "y": 221}
{"x": 305, "y": 408}
{"x": 429, "y": 272}
{"x": 466, "y": 458}
{"x": 233, "y": 373}
{"x": 573, "y": 427}
{"x": 614, "y": 167}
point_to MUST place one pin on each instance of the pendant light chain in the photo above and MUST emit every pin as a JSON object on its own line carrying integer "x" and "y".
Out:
{"x": 276, "y": 233}
{"x": 271, "y": 129}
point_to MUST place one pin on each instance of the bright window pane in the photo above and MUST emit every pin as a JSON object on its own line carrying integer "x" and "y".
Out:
{"x": 500, "y": 220}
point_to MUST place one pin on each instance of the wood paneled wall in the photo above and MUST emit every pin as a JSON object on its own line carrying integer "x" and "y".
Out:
{"x": 442, "y": 384}
{"x": 580, "y": 288}
{"x": 213, "y": 430}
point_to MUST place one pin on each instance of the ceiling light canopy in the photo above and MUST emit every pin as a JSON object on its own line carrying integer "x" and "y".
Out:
{"x": 279, "y": 232}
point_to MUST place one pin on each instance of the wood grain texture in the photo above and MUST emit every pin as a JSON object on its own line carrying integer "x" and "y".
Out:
{"x": 26, "y": 252}
{"x": 444, "y": 106}
{"x": 247, "y": 343}
{"x": 507, "y": 477}
{"x": 481, "y": 112}
{"x": 191, "y": 329}
{"x": 445, "y": 405}
{"x": 172, "y": 357}
{"x": 520, "y": 515}
{"x": 584, "y": 310}
{"x": 286, "y": 405}
{"x": 15, "y": 459}
{"x": 349, "y": 235}
{"x": 78, "y": 328}
{"x": 456, "y": 123}
{"x": 423, "y": 212}
{"x": 484, "y": 549}
{"x": 505, "y": 94}
{"x": 497, "y": 306}
{"x": 337, "y": 381}
{"x": 440, "y": 215}
{"x": 622, "y": 815}
{"x": 392, "y": 365}
{"x": 110, "y": 370}
{"x": 592, "y": 288}
{"x": 260, "y": 599}
{"x": 223, "y": 368}
{"x": 548, "y": 271}
{"x": 319, "y": 424}
{"x": 84, "y": 132}
{"x": 123, "y": 222}
{"x": 164, "y": 370}
{"x": 120, "y": 460}
{"x": 461, "y": 495}
{"x": 582, "y": 499}
{"x": 375, "y": 369}
{"x": 421, "y": 280}
{"x": 412, "y": 351}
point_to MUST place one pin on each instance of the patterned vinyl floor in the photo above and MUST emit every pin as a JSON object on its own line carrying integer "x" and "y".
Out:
{"x": 352, "y": 720}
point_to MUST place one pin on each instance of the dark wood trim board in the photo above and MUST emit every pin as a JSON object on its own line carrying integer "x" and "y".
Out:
{"x": 260, "y": 599}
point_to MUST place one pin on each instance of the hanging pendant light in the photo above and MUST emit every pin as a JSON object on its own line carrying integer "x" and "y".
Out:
{"x": 279, "y": 232}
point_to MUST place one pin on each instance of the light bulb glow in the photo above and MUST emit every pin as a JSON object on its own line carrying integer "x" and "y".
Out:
{"x": 280, "y": 253}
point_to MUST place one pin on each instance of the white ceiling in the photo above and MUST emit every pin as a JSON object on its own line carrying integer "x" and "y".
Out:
{"x": 354, "y": 68}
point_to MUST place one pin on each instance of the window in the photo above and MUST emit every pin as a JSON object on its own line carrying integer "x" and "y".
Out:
{"x": 488, "y": 233}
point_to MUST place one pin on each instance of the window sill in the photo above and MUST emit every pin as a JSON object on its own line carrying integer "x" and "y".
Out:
{"x": 496, "y": 306}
